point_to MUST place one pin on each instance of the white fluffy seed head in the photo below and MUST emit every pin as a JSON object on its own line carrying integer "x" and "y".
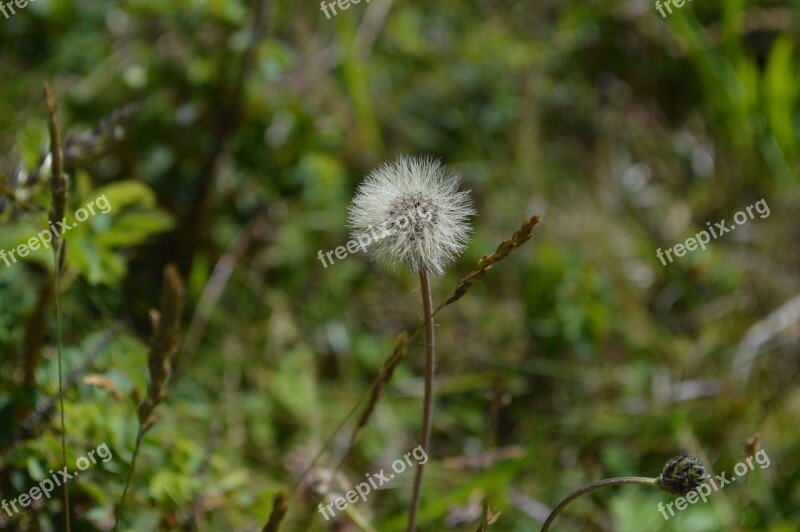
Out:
{"x": 409, "y": 211}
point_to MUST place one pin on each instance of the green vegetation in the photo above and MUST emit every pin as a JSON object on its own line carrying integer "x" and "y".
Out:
{"x": 228, "y": 138}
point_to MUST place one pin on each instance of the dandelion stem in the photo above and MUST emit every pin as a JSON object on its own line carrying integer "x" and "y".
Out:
{"x": 645, "y": 481}
{"x": 427, "y": 412}
{"x": 519, "y": 238}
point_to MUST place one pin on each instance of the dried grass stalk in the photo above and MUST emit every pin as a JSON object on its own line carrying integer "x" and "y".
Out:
{"x": 279, "y": 508}
{"x": 522, "y": 235}
{"x": 163, "y": 350}
{"x": 163, "y": 344}
{"x": 489, "y": 518}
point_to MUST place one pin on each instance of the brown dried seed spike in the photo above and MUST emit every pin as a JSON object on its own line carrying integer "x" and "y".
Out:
{"x": 163, "y": 343}
{"x": 279, "y": 508}
{"x": 752, "y": 445}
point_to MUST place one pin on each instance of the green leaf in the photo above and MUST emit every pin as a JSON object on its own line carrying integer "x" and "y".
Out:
{"x": 133, "y": 228}
{"x": 125, "y": 193}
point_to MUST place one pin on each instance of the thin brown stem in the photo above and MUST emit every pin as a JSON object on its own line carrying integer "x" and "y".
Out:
{"x": 427, "y": 412}
{"x": 279, "y": 508}
{"x": 58, "y": 186}
{"x": 60, "y": 353}
{"x": 645, "y": 481}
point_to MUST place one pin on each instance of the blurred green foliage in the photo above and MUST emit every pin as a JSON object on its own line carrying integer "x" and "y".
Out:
{"x": 580, "y": 357}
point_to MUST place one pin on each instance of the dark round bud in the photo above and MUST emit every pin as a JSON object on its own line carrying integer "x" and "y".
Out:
{"x": 682, "y": 474}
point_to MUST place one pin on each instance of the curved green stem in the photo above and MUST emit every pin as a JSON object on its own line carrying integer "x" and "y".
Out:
{"x": 121, "y": 510}
{"x": 645, "y": 481}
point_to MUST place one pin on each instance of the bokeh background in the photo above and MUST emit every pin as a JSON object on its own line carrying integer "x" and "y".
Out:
{"x": 229, "y": 137}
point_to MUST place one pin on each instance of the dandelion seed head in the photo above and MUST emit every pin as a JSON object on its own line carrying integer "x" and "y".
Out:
{"x": 411, "y": 212}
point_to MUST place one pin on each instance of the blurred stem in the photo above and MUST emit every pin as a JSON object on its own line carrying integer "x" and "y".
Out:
{"x": 121, "y": 510}
{"x": 61, "y": 379}
{"x": 644, "y": 481}
{"x": 427, "y": 412}
{"x": 279, "y": 508}
{"x": 59, "y": 200}
{"x": 226, "y": 121}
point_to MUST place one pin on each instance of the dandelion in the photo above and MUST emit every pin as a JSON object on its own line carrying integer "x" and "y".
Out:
{"x": 423, "y": 219}
{"x": 421, "y": 215}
